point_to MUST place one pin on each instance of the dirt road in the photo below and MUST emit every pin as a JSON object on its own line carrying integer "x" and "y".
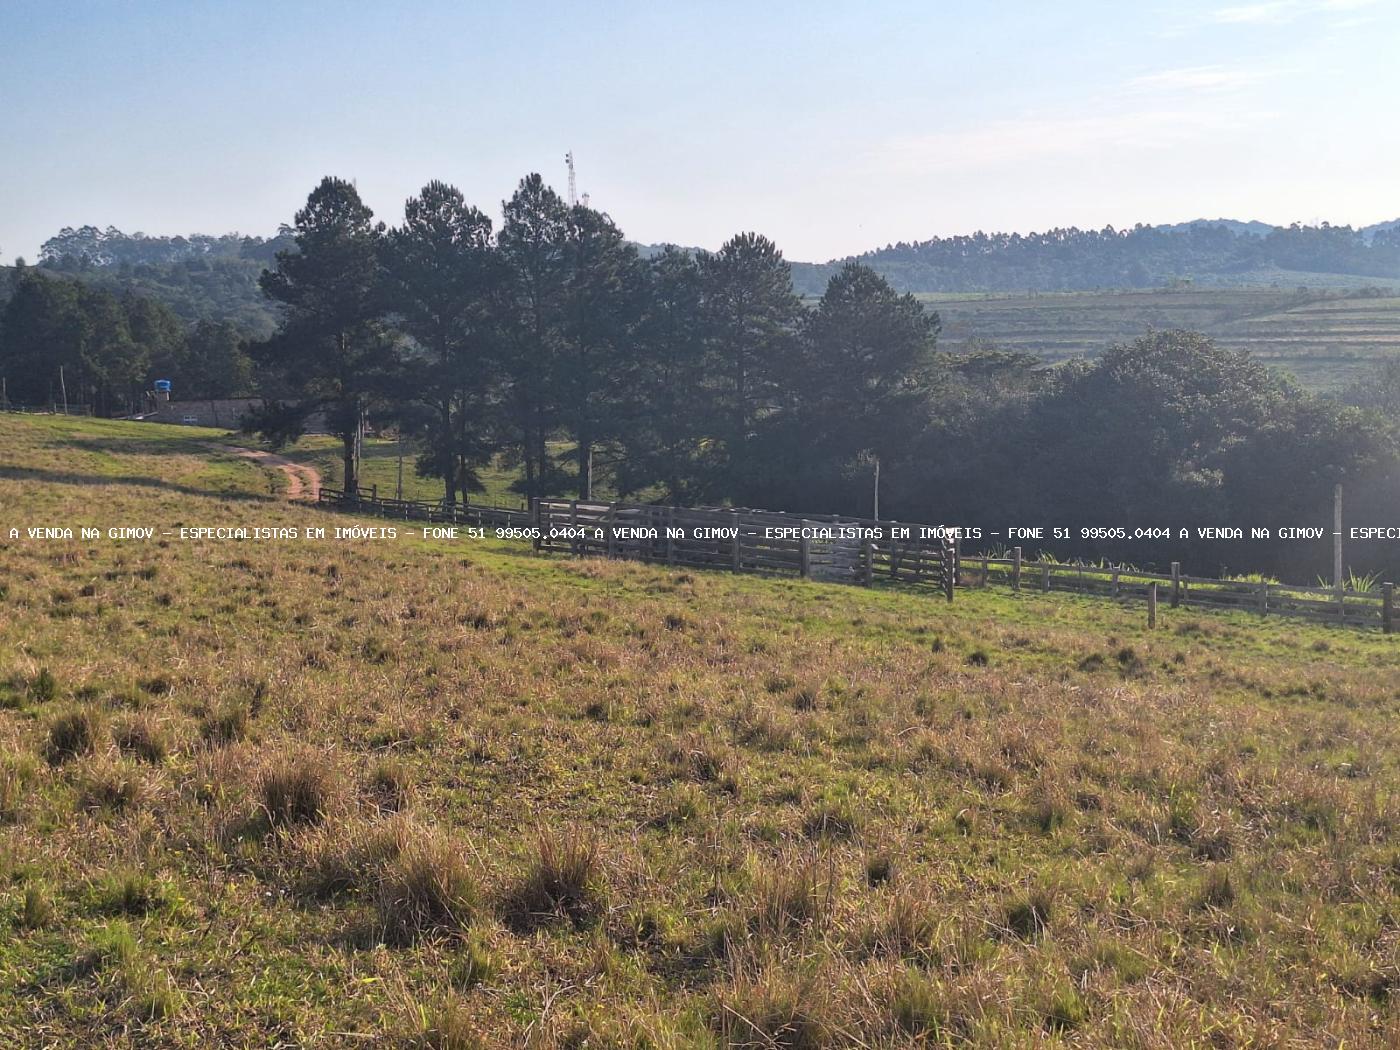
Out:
{"x": 303, "y": 482}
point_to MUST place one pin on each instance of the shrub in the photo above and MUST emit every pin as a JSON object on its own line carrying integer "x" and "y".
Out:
{"x": 474, "y": 966}
{"x": 836, "y": 820}
{"x": 908, "y": 928}
{"x": 129, "y": 892}
{"x": 879, "y": 869}
{"x": 445, "y": 1025}
{"x": 340, "y": 857}
{"x": 74, "y": 733}
{"x": 426, "y": 888}
{"x": 16, "y": 773}
{"x": 794, "y": 892}
{"x": 918, "y": 1006}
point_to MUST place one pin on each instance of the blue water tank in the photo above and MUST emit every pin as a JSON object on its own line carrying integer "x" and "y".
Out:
{"x": 163, "y": 386}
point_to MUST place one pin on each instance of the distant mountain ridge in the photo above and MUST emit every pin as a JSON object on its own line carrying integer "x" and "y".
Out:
{"x": 215, "y": 277}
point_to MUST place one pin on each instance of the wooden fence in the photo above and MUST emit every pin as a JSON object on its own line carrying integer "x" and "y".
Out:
{"x": 822, "y": 547}
{"x": 369, "y": 502}
{"x": 1326, "y": 604}
{"x": 860, "y": 551}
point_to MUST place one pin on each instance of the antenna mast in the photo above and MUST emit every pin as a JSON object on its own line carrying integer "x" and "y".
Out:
{"x": 573, "y": 180}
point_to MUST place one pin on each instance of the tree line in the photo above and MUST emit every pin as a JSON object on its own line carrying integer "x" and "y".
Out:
{"x": 64, "y": 340}
{"x": 551, "y": 342}
{"x": 1071, "y": 259}
{"x": 549, "y": 345}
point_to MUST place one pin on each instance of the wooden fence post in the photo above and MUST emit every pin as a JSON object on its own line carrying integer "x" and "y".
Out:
{"x": 986, "y": 570}
{"x": 1263, "y": 597}
{"x": 1176, "y": 584}
{"x": 1152, "y": 604}
{"x": 1387, "y": 608}
{"x": 738, "y": 541}
{"x": 1016, "y": 569}
{"x": 868, "y": 554}
{"x": 537, "y": 537}
{"x": 670, "y": 540}
{"x": 1045, "y": 577}
{"x": 950, "y": 567}
{"x": 1116, "y": 590}
{"x": 804, "y": 551}
{"x": 573, "y": 526}
{"x": 894, "y": 551}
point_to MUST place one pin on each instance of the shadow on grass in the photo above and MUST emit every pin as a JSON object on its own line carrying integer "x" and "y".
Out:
{"x": 173, "y": 444}
{"x": 64, "y": 477}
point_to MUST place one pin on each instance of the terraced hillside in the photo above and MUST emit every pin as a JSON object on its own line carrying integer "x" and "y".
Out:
{"x": 394, "y": 792}
{"x": 1323, "y": 339}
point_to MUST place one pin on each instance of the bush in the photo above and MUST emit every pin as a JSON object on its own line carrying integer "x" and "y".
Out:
{"x": 1029, "y": 917}
{"x": 776, "y": 1009}
{"x": 391, "y": 785}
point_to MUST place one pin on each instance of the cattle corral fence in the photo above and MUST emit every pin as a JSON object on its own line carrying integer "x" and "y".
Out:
{"x": 860, "y": 551}
{"x": 833, "y": 548}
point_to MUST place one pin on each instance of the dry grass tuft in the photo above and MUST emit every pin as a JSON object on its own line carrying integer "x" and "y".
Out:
{"x": 108, "y": 785}
{"x": 74, "y": 733}
{"x": 427, "y": 887}
{"x": 298, "y": 787}
{"x": 777, "y": 1009}
{"x": 145, "y": 737}
{"x": 564, "y": 878}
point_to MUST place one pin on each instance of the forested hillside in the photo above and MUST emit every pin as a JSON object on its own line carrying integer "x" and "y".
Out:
{"x": 1220, "y": 253}
{"x": 200, "y": 277}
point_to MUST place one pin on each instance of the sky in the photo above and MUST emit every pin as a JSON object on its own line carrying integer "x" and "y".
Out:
{"x": 833, "y": 128}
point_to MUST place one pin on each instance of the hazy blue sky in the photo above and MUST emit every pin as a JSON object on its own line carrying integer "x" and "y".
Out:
{"x": 831, "y": 127}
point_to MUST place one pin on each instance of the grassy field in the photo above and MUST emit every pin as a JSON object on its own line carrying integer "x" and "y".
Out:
{"x": 400, "y": 793}
{"x": 1323, "y": 338}
{"x": 379, "y": 466}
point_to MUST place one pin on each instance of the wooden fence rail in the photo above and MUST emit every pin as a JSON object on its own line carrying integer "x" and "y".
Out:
{"x": 820, "y": 547}
{"x": 860, "y": 551}
{"x": 1324, "y": 604}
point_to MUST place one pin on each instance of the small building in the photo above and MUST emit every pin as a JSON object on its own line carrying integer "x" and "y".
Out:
{"x": 224, "y": 412}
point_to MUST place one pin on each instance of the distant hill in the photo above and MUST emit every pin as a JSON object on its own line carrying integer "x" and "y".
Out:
{"x": 1226, "y": 253}
{"x": 1251, "y": 227}
{"x": 200, "y": 277}
{"x": 216, "y": 277}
